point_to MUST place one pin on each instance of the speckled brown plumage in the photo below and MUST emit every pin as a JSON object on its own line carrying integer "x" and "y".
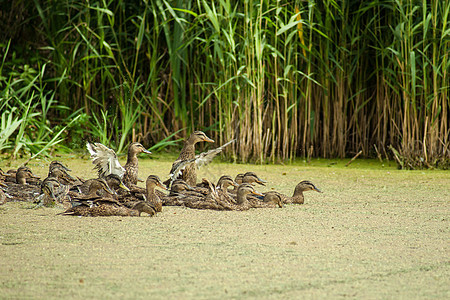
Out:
{"x": 94, "y": 205}
{"x": 149, "y": 195}
{"x": 189, "y": 174}
{"x": 218, "y": 198}
{"x": 107, "y": 208}
{"x": 132, "y": 165}
{"x": 297, "y": 197}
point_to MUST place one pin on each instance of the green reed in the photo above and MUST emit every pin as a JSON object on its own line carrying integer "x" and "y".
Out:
{"x": 297, "y": 79}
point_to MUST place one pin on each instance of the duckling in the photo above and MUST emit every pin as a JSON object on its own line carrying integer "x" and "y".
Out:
{"x": 106, "y": 162}
{"x": 297, "y": 197}
{"x": 183, "y": 167}
{"x": 149, "y": 194}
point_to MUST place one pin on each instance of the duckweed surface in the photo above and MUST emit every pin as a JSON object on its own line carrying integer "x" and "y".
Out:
{"x": 373, "y": 233}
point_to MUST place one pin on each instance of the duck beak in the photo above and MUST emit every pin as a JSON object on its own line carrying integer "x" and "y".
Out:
{"x": 280, "y": 204}
{"x": 207, "y": 139}
{"x": 146, "y": 151}
{"x": 257, "y": 193}
{"x": 317, "y": 190}
{"x": 162, "y": 186}
{"x": 109, "y": 191}
{"x": 261, "y": 182}
{"x": 124, "y": 187}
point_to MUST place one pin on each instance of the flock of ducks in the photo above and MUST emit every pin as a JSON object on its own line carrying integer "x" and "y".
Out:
{"x": 115, "y": 191}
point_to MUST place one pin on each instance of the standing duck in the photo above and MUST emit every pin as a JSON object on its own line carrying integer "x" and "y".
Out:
{"x": 182, "y": 168}
{"x": 106, "y": 162}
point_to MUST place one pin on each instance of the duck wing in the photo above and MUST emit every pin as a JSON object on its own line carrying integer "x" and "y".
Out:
{"x": 200, "y": 160}
{"x": 105, "y": 160}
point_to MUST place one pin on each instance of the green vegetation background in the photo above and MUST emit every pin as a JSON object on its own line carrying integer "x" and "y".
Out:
{"x": 286, "y": 79}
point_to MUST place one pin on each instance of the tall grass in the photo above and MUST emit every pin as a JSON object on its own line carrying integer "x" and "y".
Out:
{"x": 286, "y": 79}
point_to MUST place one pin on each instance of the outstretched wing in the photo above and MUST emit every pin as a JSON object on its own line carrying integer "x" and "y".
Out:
{"x": 105, "y": 160}
{"x": 200, "y": 160}
{"x": 206, "y": 157}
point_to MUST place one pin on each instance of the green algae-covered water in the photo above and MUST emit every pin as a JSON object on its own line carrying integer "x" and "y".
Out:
{"x": 374, "y": 232}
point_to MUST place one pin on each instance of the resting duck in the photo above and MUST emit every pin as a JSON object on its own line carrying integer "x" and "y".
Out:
{"x": 114, "y": 183}
{"x": 248, "y": 177}
{"x": 149, "y": 195}
{"x": 23, "y": 174}
{"x": 22, "y": 190}
{"x": 297, "y": 197}
{"x": 3, "y": 196}
{"x": 106, "y": 207}
{"x": 52, "y": 191}
{"x": 106, "y": 162}
{"x": 93, "y": 205}
{"x": 57, "y": 165}
{"x": 191, "y": 197}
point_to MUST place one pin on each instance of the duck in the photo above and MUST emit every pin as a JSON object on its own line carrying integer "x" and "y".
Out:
{"x": 191, "y": 197}
{"x": 148, "y": 195}
{"x": 220, "y": 199}
{"x": 222, "y": 184}
{"x": 180, "y": 191}
{"x": 23, "y": 174}
{"x": 96, "y": 190}
{"x": 251, "y": 177}
{"x": 3, "y": 195}
{"x": 57, "y": 165}
{"x": 248, "y": 177}
{"x": 297, "y": 197}
{"x": 21, "y": 191}
{"x": 63, "y": 177}
{"x": 106, "y": 207}
{"x": 114, "y": 183}
{"x": 106, "y": 162}
{"x": 132, "y": 166}
{"x": 95, "y": 205}
{"x": 245, "y": 202}
{"x": 52, "y": 192}
{"x": 185, "y": 165}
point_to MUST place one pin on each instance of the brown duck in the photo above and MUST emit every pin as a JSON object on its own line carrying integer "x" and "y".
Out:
{"x": 297, "y": 197}
{"x": 149, "y": 195}
{"x": 188, "y": 172}
{"x": 106, "y": 162}
{"x": 93, "y": 205}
